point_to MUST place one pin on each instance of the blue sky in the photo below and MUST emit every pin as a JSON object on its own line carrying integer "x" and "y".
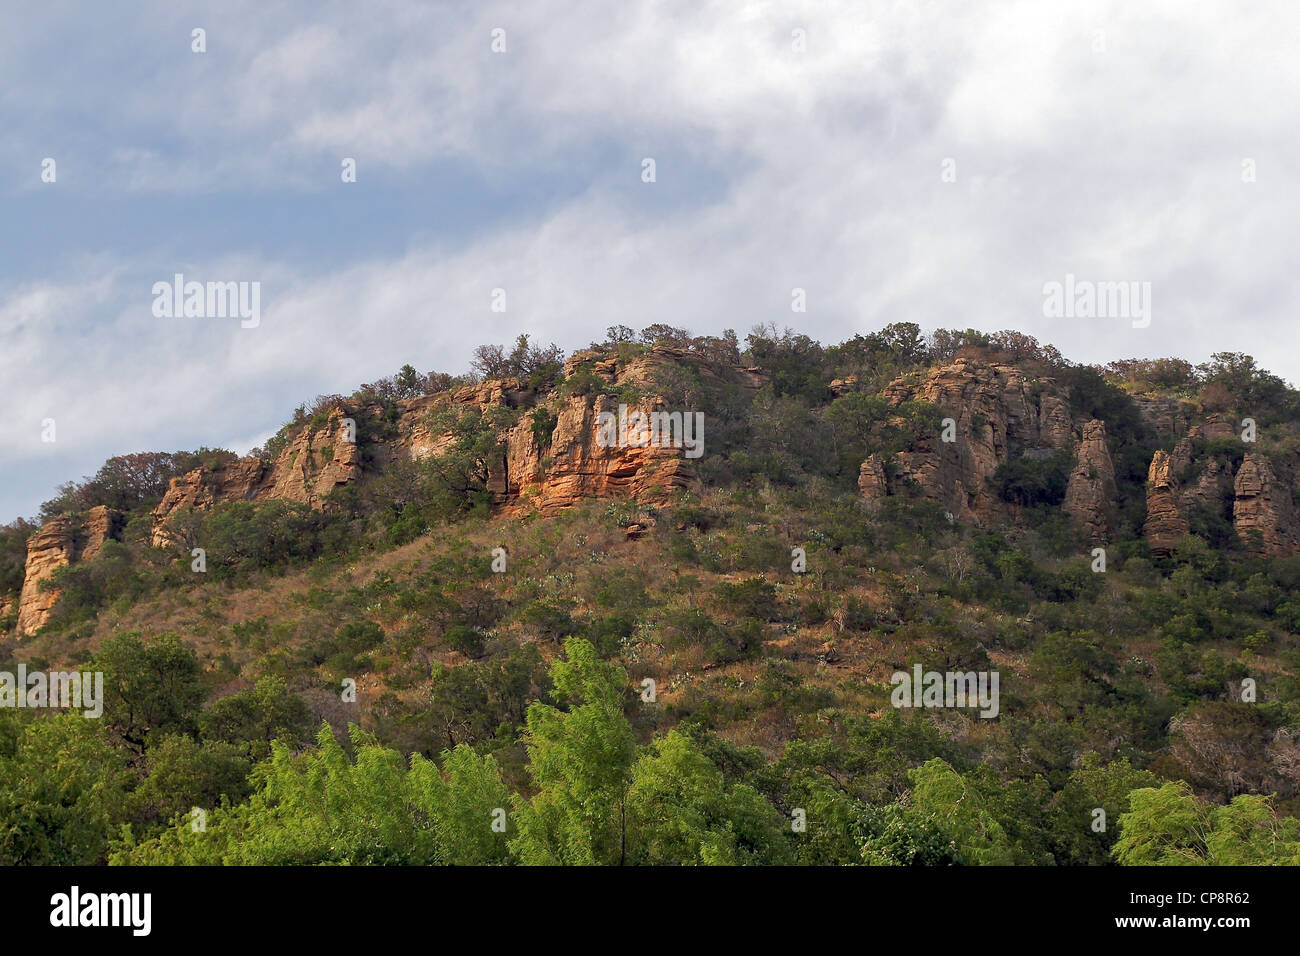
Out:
{"x": 1091, "y": 138}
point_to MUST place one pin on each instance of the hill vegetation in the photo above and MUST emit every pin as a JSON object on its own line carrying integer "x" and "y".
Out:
{"x": 438, "y": 662}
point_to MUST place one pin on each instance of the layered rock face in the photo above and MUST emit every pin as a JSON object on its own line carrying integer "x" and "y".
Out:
{"x": 315, "y": 463}
{"x": 580, "y": 462}
{"x": 58, "y": 543}
{"x": 1169, "y": 418}
{"x": 1259, "y": 502}
{"x": 1262, "y": 513}
{"x": 579, "y": 466}
{"x": 873, "y": 483}
{"x": 997, "y": 412}
{"x": 571, "y": 466}
{"x": 1091, "y": 493}
{"x": 1165, "y": 524}
{"x": 996, "y": 409}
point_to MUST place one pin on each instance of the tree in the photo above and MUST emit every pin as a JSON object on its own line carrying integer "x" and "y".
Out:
{"x": 619, "y": 334}
{"x": 1169, "y": 826}
{"x": 905, "y": 341}
{"x": 1033, "y": 481}
{"x": 62, "y": 790}
{"x": 131, "y": 481}
{"x": 184, "y": 773}
{"x": 1251, "y": 388}
{"x": 456, "y": 481}
{"x": 149, "y": 689}
{"x": 894, "y": 835}
{"x": 1223, "y": 748}
{"x": 580, "y": 760}
{"x": 326, "y": 807}
{"x": 13, "y": 554}
{"x": 792, "y": 360}
{"x": 257, "y": 715}
{"x": 468, "y": 807}
{"x": 538, "y": 365}
{"x": 1093, "y": 785}
{"x": 663, "y": 334}
{"x": 946, "y": 799}
{"x": 408, "y": 382}
{"x": 681, "y": 812}
{"x": 860, "y": 425}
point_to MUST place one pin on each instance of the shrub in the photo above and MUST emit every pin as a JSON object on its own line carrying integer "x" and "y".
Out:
{"x": 1033, "y": 481}
{"x": 466, "y": 640}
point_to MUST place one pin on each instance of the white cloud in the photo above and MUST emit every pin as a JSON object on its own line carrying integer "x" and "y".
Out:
{"x": 777, "y": 169}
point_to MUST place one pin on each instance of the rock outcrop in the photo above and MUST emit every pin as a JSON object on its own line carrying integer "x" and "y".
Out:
{"x": 58, "y": 543}
{"x": 1179, "y": 485}
{"x": 873, "y": 483}
{"x": 552, "y": 451}
{"x": 317, "y": 461}
{"x": 1165, "y": 524}
{"x": 1169, "y": 418}
{"x": 528, "y": 471}
{"x": 581, "y": 463}
{"x": 1263, "y": 514}
{"x": 997, "y": 411}
{"x": 1091, "y": 494}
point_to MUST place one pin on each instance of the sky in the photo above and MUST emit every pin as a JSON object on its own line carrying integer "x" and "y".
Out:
{"x": 925, "y": 162}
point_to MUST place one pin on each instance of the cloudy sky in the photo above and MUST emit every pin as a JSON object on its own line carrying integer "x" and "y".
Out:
{"x": 898, "y": 161}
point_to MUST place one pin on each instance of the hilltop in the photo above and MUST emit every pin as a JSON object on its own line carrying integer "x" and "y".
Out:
{"x": 1118, "y": 543}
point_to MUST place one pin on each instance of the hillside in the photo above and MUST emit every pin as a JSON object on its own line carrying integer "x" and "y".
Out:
{"x": 608, "y": 645}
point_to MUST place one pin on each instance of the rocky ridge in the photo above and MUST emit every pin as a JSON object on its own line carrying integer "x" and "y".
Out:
{"x": 998, "y": 411}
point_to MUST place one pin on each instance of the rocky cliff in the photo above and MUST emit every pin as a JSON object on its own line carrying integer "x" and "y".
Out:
{"x": 1256, "y": 499}
{"x": 59, "y": 543}
{"x": 313, "y": 464}
{"x": 1262, "y": 512}
{"x": 1091, "y": 494}
{"x": 528, "y": 471}
{"x": 996, "y": 411}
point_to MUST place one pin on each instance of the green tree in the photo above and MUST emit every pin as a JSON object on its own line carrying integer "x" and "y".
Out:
{"x": 681, "y": 812}
{"x": 62, "y": 790}
{"x": 149, "y": 689}
{"x": 257, "y": 715}
{"x": 467, "y": 807}
{"x": 1170, "y": 826}
{"x": 184, "y": 773}
{"x": 1093, "y": 785}
{"x": 580, "y": 760}
{"x": 408, "y": 381}
{"x": 324, "y": 807}
{"x": 941, "y": 795}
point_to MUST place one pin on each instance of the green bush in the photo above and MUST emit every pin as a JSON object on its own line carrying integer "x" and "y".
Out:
{"x": 466, "y": 640}
{"x": 1033, "y": 481}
